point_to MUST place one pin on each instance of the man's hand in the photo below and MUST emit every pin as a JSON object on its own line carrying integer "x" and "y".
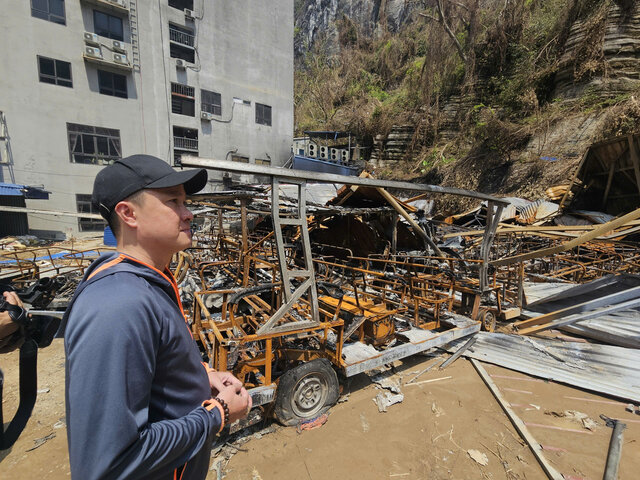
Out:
{"x": 9, "y": 341}
{"x": 219, "y": 380}
{"x": 237, "y": 399}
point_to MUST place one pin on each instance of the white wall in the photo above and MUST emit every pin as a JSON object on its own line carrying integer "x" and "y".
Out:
{"x": 245, "y": 48}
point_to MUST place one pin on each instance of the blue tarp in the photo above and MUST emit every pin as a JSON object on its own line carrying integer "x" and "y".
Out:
{"x": 15, "y": 190}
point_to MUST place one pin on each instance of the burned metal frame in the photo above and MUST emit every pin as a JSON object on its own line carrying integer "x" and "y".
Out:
{"x": 283, "y": 175}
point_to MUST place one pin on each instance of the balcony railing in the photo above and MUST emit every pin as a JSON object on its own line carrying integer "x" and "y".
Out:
{"x": 181, "y": 37}
{"x": 183, "y": 143}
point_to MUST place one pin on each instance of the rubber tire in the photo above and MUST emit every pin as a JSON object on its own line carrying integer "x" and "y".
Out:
{"x": 317, "y": 371}
{"x": 489, "y": 321}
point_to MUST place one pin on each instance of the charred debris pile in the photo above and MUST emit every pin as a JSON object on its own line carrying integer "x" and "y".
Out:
{"x": 290, "y": 286}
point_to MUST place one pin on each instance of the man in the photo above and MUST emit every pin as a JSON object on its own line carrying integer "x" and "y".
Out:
{"x": 10, "y": 337}
{"x": 139, "y": 400}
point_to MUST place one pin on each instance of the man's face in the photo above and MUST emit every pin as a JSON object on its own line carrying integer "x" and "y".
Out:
{"x": 163, "y": 220}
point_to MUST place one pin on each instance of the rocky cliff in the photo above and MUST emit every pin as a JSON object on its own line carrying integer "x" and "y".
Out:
{"x": 316, "y": 21}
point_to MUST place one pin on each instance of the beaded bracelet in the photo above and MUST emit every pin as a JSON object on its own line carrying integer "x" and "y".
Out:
{"x": 225, "y": 407}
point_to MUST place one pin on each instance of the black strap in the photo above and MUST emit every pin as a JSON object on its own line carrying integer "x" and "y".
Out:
{"x": 28, "y": 393}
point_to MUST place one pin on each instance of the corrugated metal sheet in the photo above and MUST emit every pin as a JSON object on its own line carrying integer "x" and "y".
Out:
{"x": 619, "y": 328}
{"x": 606, "y": 369}
{"x": 534, "y": 292}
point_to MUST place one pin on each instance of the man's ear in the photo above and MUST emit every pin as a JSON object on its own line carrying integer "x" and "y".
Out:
{"x": 126, "y": 211}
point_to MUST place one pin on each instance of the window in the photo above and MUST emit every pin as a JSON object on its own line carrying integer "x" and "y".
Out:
{"x": 108, "y": 26}
{"x": 262, "y": 161}
{"x": 183, "y": 100}
{"x": 84, "y": 205}
{"x": 181, "y": 35}
{"x": 182, "y": 41}
{"x": 185, "y": 142}
{"x": 211, "y": 102}
{"x": 181, "y": 4}
{"x": 93, "y": 145}
{"x": 53, "y": 71}
{"x": 52, "y": 10}
{"x": 185, "y": 139}
{"x": 239, "y": 158}
{"x": 112, "y": 84}
{"x": 263, "y": 114}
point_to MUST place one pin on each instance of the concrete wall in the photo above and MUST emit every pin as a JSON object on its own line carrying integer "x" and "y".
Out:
{"x": 244, "y": 50}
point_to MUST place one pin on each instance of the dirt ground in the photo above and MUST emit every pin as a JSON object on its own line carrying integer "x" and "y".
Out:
{"x": 427, "y": 436}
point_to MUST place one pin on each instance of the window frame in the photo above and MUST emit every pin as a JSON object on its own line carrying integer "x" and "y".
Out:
{"x": 83, "y": 133}
{"x": 57, "y": 80}
{"x": 114, "y": 92}
{"x": 210, "y": 106}
{"x": 48, "y": 16}
{"x": 261, "y": 109}
{"x": 86, "y": 224}
{"x": 109, "y": 33}
{"x": 183, "y": 95}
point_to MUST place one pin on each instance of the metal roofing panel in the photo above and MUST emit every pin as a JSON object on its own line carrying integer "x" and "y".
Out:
{"x": 619, "y": 328}
{"x": 605, "y": 369}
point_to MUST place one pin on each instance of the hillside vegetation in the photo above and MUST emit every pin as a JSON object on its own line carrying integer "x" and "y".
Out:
{"x": 480, "y": 82}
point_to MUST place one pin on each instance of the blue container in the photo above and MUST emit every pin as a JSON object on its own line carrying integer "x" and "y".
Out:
{"x": 109, "y": 238}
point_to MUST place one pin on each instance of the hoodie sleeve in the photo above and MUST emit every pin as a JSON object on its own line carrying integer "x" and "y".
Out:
{"x": 112, "y": 345}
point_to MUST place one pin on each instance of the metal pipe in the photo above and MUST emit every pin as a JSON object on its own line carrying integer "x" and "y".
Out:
{"x": 615, "y": 450}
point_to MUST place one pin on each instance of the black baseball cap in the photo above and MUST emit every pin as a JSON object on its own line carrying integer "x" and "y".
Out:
{"x": 128, "y": 175}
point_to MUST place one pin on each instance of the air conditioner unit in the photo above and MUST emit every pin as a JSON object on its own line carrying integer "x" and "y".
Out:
{"x": 120, "y": 3}
{"x": 189, "y": 14}
{"x": 312, "y": 150}
{"x": 121, "y": 59}
{"x": 91, "y": 38}
{"x": 206, "y": 116}
{"x": 335, "y": 155}
{"x": 344, "y": 155}
{"x": 119, "y": 46}
{"x": 324, "y": 152}
{"x": 93, "y": 52}
{"x": 181, "y": 64}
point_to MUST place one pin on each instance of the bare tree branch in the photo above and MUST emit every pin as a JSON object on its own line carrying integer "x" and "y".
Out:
{"x": 452, "y": 35}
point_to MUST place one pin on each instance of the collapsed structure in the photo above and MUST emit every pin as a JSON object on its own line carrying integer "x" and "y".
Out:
{"x": 292, "y": 283}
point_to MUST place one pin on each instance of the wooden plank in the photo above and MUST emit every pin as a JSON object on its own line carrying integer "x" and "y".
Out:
{"x": 519, "y": 425}
{"x": 607, "y": 300}
{"x": 633, "y": 303}
{"x": 392, "y": 201}
{"x": 596, "y": 232}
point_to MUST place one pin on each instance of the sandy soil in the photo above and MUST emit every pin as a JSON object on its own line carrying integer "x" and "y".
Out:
{"x": 428, "y": 435}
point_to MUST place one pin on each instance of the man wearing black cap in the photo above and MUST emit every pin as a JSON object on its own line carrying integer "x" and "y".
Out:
{"x": 140, "y": 404}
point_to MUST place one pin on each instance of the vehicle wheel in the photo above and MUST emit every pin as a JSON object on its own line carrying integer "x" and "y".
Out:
{"x": 306, "y": 391}
{"x": 488, "y": 318}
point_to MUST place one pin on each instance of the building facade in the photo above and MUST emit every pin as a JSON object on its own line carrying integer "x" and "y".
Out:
{"x": 85, "y": 82}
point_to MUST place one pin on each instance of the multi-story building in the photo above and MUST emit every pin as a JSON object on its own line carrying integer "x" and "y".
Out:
{"x": 85, "y": 82}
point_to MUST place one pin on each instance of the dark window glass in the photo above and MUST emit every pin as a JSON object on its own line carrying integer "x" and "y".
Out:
{"x": 181, "y": 4}
{"x": 55, "y": 72}
{"x": 112, "y": 84}
{"x": 183, "y": 99}
{"x": 263, "y": 114}
{"x": 108, "y": 26}
{"x": 211, "y": 102}
{"x": 51, "y": 10}
{"x": 179, "y": 51}
{"x": 93, "y": 145}
{"x": 84, "y": 205}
